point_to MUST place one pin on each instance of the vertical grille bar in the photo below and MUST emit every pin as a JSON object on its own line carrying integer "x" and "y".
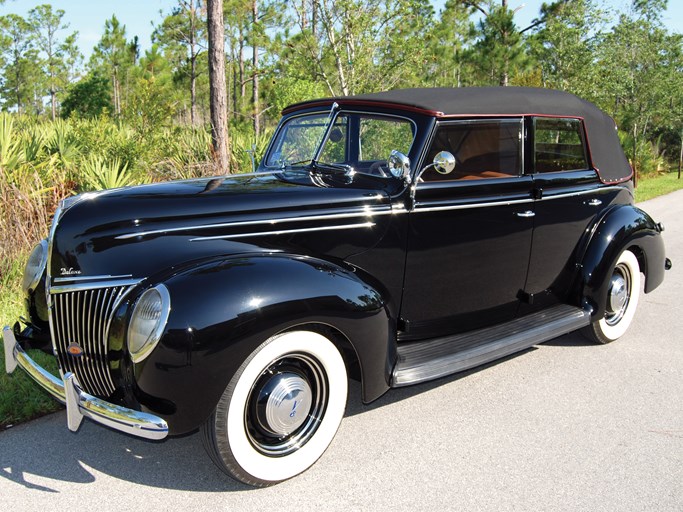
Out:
{"x": 84, "y": 317}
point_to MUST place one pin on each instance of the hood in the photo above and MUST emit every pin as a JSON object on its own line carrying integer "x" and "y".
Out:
{"x": 138, "y": 231}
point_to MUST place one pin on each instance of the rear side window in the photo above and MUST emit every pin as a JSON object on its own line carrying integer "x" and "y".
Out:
{"x": 484, "y": 148}
{"x": 559, "y": 145}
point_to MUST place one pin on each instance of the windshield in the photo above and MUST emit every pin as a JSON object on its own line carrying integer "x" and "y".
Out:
{"x": 360, "y": 140}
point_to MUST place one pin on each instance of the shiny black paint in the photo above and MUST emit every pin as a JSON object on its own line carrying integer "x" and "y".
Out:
{"x": 223, "y": 309}
{"x": 565, "y": 211}
{"x": 622, "y": 227}
{"x": 465, "y": 266}
{"x": 98, "y": 236}
{"x": 415, "y": 273}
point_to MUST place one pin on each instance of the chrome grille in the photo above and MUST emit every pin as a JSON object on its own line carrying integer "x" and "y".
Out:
{"x": 83, "y": 316}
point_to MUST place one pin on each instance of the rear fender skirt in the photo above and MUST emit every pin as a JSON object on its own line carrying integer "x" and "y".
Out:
{"x": 222, "y": 310}
{"x": 622, "y": 227}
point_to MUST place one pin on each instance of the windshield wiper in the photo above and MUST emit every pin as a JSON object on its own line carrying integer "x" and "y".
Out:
{"x": 329, "y": 166}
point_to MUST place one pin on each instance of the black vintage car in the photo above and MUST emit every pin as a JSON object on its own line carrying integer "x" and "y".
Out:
{"x": 394, "y": 238}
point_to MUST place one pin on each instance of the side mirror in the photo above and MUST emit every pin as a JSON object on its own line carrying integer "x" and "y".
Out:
{"x": 399, "y": 165}
{"x": 444, "y": 162}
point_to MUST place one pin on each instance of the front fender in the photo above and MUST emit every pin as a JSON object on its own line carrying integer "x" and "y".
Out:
{"x": 222, "y": 310}
{"x": 622, "y": 227}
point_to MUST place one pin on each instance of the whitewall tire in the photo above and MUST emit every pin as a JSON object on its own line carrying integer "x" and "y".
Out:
{"x": 622, "y": 301}
{"x": 280, "y": 411}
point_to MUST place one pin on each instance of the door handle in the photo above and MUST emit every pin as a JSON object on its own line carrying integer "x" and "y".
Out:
{"x": 525, "y": 215}
{"x": 594, "y": 202}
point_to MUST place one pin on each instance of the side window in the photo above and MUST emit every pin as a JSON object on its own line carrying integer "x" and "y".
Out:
{"x": 380, "y": 135}
{"x": 489, "y": 148}
{"x": 558, "y": 145}
{"x": 334, "y": 150}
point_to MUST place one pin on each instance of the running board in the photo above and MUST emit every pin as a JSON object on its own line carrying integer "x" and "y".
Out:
{"x": 431, "y": 359}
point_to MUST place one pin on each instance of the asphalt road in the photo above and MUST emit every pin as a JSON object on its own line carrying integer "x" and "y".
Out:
{"x": 563, "y": 426}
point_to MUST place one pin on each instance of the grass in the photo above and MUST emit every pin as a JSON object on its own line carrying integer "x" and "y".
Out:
{"x": 22, "y": 400}
{"x": 649, "y": 188}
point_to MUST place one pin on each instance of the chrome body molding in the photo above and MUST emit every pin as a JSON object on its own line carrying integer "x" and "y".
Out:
{"x": 284, "y": 232}
{"x": 426, "y": 209}
{"x": 89, "y": 278}
{"x": 368, "y": 211}
{"x": 95, "y": 284}
{"x": 80, "y": 404}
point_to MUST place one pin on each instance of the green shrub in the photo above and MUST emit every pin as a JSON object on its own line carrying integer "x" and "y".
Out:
{"x": 97, "y": 173}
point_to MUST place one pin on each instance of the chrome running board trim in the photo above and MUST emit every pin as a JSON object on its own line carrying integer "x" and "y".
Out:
{"x": 431, "y": 359}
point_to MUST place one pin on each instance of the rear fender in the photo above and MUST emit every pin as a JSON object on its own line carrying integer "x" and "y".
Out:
{"x": 622, "y": 227}
{"x": 222, "y": 310}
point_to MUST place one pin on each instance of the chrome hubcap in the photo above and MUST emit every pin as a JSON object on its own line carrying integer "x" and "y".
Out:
{"x": 619, "y": 295}
{"x": 288, "y": 402}
{"x": 286, "y": 405}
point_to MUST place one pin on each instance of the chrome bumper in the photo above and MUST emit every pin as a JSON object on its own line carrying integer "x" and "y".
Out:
{"x": 78, "y": 403}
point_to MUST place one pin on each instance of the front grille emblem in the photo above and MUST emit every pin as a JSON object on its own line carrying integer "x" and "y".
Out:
{"x": 75, "y": 349}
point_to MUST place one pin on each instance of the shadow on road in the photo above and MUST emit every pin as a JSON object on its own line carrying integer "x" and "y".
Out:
{"x": 33, "y": 454}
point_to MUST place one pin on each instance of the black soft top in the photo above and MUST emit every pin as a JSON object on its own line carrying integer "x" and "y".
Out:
{"x": 606, "y": 153}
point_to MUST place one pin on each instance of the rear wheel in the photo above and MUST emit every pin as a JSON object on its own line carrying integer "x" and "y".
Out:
{"x": 622, "y": 300}
{"x": 280, "y": 411}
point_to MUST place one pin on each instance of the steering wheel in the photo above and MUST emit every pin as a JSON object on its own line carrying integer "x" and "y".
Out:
{"x": 379, "y": 168}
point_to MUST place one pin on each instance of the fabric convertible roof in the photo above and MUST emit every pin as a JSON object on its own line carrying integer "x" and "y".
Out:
{"x": 605, "y": 148}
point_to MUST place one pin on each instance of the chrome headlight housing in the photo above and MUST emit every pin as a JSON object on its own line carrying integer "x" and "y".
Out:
{"x": 148, "y": 321}
{"x": 35, "y": 266}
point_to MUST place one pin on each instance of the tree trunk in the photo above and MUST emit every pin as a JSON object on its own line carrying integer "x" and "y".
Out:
{"x": 217, "y": 88}
{"x": 254, "y": 62}
{"x": 243, "y": 82}
{"x": 193, "y": 64}
{"x": 52, "y": 102}
{"x": 314, "y": 20}
{"x": 680, "y": 158}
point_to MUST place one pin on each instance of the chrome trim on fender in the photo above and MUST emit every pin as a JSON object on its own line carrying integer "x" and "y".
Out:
{"x": 94, "y": 285}
{"x": 90, "y": 278}
{"x": 367, "y": 212}
{"x": 284, "y": 232}
{"x": 80, "y": 404}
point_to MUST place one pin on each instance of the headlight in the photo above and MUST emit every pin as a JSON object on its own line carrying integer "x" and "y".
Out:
{"x": 35, "y": 266}
{"x": 147, "y": 322}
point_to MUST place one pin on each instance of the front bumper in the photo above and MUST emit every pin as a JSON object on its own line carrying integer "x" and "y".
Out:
{"x": 80, "y": 404}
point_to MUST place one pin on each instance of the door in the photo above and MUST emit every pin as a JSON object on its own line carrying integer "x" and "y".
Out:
{"x": 569, "y": 198}
{"x": 470, "y": 232}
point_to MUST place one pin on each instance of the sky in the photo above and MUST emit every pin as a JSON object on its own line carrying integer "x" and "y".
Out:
{"x": 139, "y": 16}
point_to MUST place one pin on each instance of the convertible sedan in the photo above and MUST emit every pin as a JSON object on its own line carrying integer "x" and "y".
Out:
{"x": 392, "y": 238}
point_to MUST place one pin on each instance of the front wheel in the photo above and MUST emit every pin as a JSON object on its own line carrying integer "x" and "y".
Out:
{"x": 622, "y": 300}
{"x": 280, "y": 411}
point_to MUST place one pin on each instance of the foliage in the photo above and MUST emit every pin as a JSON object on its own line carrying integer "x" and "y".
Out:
{"x": 20, "y": 398}
{"x": 646, "y": 157}
{"x": 188, "y": 154}
{"x": 649, "y": 188}
{"x": 87, "y": 98}
{"x": 245, "y": 145}
{"x": 99, "y": 174}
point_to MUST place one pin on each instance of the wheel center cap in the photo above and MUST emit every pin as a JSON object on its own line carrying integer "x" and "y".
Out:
{"x": 288, "y": 403}
{"x": 618, "y": 293}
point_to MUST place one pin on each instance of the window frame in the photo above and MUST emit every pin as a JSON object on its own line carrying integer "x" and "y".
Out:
{"x": 522, "y": 146}
{"x": 350, "y": 147}
{"x": 530, "y": 128}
